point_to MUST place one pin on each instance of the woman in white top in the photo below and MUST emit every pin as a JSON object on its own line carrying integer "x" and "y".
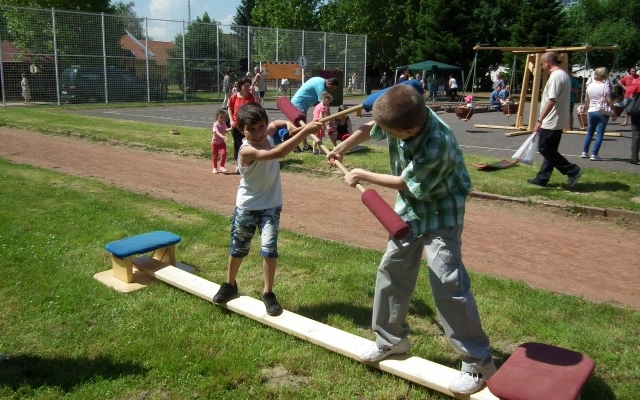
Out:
{"x": 597, "y": 122}
{"x": 453, "y": 88}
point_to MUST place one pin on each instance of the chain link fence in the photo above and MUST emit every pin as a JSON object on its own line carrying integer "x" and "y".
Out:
{"x": 77, "y": 57}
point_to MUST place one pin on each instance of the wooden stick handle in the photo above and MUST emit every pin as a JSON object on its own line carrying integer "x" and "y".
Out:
{"x": 324, "y": 148}
{"x": 330, "y": 117}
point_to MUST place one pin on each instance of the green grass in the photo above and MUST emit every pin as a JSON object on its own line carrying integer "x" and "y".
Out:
{"x": 597, "y": 188}
{"x": 70, "y": 337}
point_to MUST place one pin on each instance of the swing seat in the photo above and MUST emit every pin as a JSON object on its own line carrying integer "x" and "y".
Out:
{"x": 463, "y": 112}
{"x": 509, "y": 109}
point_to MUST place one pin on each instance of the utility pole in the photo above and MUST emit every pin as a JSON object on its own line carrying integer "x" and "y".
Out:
{"x": 189, "y": 11}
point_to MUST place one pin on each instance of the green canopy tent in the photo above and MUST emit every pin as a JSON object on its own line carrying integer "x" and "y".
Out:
{"x": 429, "y": 65}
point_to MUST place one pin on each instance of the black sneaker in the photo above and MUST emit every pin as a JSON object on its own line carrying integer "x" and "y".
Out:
{"x": 307, "y": 148}
{"x": 271, "y": 304}
{"x": 573, "y": 179}
{"x": 297, "y": 150}
{"x": 226, "y": 292}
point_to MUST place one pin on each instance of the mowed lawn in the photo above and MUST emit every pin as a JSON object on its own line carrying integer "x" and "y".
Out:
{"x": 70, "y": 337}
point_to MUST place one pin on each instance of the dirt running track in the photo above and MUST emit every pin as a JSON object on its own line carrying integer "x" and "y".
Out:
{"x": 545, "y": 247}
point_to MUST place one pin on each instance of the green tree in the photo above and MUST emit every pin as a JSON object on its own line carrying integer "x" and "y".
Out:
{"x": 375, "y": 18}
{"x": 243, "y": 13}
{"x": 434, "y": 35}
{"x": 287, "y": 14}
{"x": 538, "y": 23}
{"x": 131, "y": 22}
{"x": 600, "y": 23}
{"x": 200, "y": 50}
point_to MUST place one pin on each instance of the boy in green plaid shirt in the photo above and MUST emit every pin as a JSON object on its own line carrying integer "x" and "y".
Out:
{"x": 428, "y": 171}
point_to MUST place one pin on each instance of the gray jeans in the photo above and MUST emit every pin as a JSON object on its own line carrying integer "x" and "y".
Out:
{"x": 450, "y": 286}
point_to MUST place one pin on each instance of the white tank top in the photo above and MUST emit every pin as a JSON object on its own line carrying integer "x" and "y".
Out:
{"x": 260, "y": 187}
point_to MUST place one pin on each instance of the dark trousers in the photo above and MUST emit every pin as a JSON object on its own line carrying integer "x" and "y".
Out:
{"x": 635, "y": 138}
{"x": 548, "y": 143}
{"x": 237, "y": 142}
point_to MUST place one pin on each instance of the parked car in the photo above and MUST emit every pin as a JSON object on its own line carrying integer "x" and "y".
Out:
{"x": 87, "y": 85}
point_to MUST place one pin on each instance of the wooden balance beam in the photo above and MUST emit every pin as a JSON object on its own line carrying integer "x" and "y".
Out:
{"x": 414, "y": 369}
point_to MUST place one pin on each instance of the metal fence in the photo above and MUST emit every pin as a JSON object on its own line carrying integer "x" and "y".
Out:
{"x": 69, "y": 56}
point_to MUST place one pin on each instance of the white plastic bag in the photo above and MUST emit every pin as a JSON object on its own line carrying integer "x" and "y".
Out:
{"x": 528, "y": 150}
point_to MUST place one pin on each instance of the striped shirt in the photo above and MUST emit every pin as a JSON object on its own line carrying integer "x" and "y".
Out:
{"x": 432, "y": 166}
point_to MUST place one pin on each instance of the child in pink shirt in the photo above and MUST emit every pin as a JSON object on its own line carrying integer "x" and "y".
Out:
{"x": 218, "y": 141}
{"x": 321, "y": 110}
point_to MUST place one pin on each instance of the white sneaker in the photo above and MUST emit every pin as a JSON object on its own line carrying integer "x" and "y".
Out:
{"x": 470, "y": 382}
{"x": 584, "y": 155}
{"x": 595, "y": 158}
{"x": 373, "y": 353}
{"x": 215, "y": 171}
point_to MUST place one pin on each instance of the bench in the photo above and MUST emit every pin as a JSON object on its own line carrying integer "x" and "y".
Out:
{"x": 162, "y": 243}
{"x": 540, "y": 371}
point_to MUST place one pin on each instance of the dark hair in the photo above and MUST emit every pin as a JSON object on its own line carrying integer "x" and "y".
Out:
{"x": 229, "y": 70}
{"x": 251, "y": 114}
{"x": 332, "y": 82}
{"x": 221, "y": 111}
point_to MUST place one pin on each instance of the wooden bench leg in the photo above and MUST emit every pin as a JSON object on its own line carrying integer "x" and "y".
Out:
{"x": 166, "y": 254}
{"x": 122, "y": 268}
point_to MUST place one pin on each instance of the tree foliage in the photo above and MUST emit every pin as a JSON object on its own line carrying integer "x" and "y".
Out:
{"x": 287, "y": 14}
{"x": 407, "y": 31}
{"x": 243, "y": 13}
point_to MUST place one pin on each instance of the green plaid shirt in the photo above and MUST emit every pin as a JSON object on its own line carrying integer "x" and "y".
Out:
{"x": 432, "y": 165}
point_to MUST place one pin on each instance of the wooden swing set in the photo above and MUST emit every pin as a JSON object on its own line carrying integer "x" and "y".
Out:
{"x": 533, "y": 72}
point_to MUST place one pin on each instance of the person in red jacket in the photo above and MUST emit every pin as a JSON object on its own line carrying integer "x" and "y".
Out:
{"x": 243, "y": 96}
{"x": 627, "y": 83}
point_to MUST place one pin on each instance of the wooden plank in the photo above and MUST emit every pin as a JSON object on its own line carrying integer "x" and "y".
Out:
{"x": 414, "y": 369}
{"x": 610, "y": 134}
{"x": 495, "y": 126}
{"x": 517, "y": 133}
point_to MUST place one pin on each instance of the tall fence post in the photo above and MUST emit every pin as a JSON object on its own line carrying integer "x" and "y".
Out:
{"x": 146, "y": 57}
{"x": 346, "y": 52}
{"x": 248, "y": 49}
{"x": 4, "y": 94}
{"x": 55, "y": 54}
{"x": 218, "y": 58}
{"x": 364, "y": 82}
{"x": 184, "y": 65}
{"x": 324, "y": 51}
{"x": 104, "y": 61}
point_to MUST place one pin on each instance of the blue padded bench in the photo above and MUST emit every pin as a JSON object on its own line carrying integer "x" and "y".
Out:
{"x": 162, "y": 243}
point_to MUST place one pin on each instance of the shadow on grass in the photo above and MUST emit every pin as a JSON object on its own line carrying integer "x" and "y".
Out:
{"x": 602, "y": 187}
{"x": 64, "y": 373}
{"x": 361, "y": 316}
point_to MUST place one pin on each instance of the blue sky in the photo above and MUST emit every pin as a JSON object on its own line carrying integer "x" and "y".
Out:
{"x": 222, "y": 11}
